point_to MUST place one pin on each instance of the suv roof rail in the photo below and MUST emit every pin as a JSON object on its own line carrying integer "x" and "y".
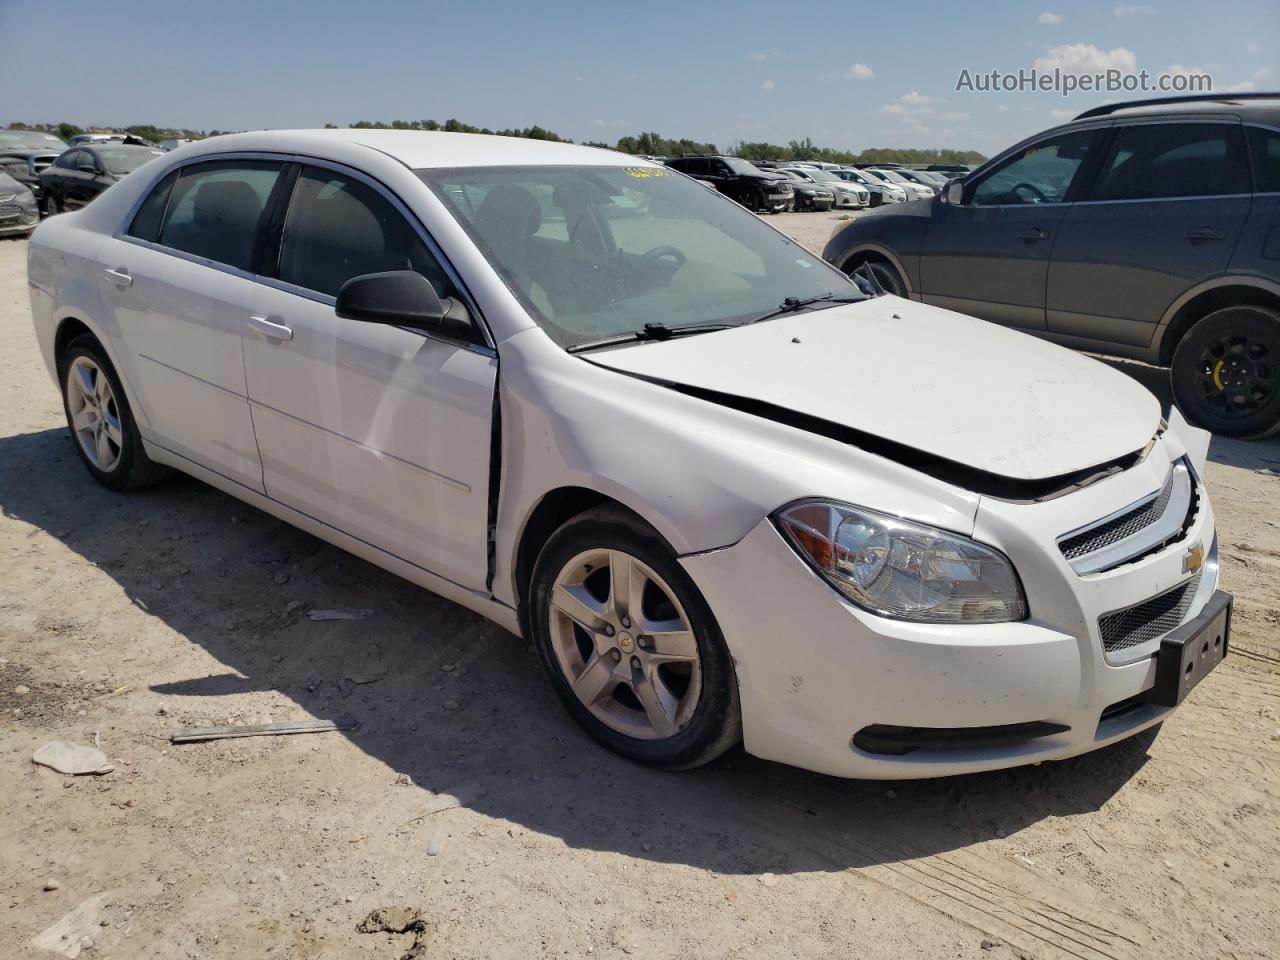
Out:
{"x": 1108, "y": 108}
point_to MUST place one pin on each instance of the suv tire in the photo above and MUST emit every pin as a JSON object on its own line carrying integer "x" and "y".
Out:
{"x": 1226, "y": 372}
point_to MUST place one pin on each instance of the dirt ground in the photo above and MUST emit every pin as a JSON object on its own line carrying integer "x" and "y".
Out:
{"x": 124, "y": 617}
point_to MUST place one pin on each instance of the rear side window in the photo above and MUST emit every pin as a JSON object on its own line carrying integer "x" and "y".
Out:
{"x": 215, "y": 210}
{"x": 146, "y": 222}
{"x": 339, "y": 227}
{"x": 1162, "y": 160}
{"x": 1265, "y": 147}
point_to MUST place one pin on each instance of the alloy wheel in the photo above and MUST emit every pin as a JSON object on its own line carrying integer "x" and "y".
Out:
{"x": 1237, "y": 375}
{"x": 625, "y": 644}
{"x": 95, "y": 416}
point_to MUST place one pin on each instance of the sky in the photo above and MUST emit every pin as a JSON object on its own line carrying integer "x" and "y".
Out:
{"x": 847, "y": 74}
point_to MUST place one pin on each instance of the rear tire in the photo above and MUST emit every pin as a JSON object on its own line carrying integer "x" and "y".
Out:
{"x": 52, "y": 206}
{"x": 100, "y": 420}
{"x": 1226, "y": 372}
{"x": 652, "y": 641}
{"x": 886, "y": 275}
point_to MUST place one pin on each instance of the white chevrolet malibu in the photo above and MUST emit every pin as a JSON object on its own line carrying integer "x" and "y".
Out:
{"x": 727, "y": 492}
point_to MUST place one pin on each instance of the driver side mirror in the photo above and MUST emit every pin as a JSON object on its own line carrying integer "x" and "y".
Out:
{"x": 403, "y": 298}
{"x": 953, "y": 193}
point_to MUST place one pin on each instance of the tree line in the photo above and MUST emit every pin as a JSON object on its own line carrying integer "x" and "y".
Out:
{"x": 642, "y": 144}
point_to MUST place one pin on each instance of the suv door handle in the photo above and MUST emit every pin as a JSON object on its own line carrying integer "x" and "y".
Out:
{"x": 1201, "y": 234}
{"x": 269, "y": 330}
{"x": 1035, "y": 233}
{"x": 119, "y": 276}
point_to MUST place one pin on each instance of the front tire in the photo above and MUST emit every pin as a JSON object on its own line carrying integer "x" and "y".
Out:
{"x": 885, "y": 275}
{"x": 630, "y": 645}
{"x": 52, "y": 206}
{"x": 101, "y": 422}
{"x": 1226, "y": 372}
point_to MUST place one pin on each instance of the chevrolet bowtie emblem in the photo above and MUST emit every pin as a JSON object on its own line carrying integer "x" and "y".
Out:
{"x": 1193, "y": 559}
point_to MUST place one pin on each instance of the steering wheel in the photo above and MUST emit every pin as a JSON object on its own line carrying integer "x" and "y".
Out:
{"x": 650, "y": 257}
{"x": 1030, "y": 188}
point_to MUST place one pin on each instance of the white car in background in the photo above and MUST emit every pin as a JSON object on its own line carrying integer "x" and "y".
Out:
{"x": 846, "y": 194}
{"x": 727, "y": 492}
{"x": 914, "y": 191}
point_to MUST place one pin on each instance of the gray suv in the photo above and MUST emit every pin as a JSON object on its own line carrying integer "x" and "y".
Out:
{"x": 1148, "y": 230}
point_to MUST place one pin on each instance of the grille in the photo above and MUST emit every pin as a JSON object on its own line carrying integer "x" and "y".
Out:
{"x": 1125, "y": 525}
{"x": 1145, "y": 621}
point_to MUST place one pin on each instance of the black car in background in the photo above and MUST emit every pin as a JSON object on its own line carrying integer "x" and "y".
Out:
{"x": 808, "y": 195}
{"x": 83, "y": 172}
{"x": 761, "y": 190}
{"x": 24, "y": 154}
{"x": 1148, "y": 230}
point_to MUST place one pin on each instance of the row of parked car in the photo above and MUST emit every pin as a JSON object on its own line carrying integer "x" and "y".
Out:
{"x": 775, "y": 186}
{"x": 41, "y": 171}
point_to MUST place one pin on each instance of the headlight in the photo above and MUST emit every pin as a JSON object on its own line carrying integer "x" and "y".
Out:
{"x": 908, "y": 571}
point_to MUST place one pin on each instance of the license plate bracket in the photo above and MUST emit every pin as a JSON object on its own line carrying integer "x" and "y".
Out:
{"x": 1188, "y": 654}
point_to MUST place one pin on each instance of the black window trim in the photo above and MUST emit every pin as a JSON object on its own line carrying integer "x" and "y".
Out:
{"x": 1086, "y": 196}
{"x": 488, "y": 347}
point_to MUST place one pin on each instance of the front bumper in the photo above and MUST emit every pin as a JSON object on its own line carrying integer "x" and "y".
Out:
{"x": 17, "y": 219}
{"x": 814, "y": 670}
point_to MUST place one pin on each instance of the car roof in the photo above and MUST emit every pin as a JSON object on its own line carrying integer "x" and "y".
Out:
{"x": 419, "y": 149}
{"x": 1264, "y": 107}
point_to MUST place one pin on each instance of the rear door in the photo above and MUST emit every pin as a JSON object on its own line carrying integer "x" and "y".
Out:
{"x": 379, "y": 431}
{"x": 989, "y": 255}
{"x": 1165, "y": 213}
{"x": 176, "y": 284}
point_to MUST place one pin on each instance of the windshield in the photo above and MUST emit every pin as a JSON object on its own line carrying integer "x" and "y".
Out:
{"x": 595, "y": 252}
{"x": 122, "y": 160}
{"x": 893, "y": 177}
{"x": 823, "y": 175}
{"x": 30, "y": 140}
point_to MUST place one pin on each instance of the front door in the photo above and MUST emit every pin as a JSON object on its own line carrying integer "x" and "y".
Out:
{"x": 988, "y": 256}
{"x": 1165, "y": 213}
{"x": 381, "y": 432}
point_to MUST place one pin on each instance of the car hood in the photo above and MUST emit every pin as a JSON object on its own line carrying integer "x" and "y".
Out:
{"x": 937, "y": 382}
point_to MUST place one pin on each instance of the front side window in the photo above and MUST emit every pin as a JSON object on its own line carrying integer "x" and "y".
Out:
{"x": 594, "y": 252}
{"x": 1042, "y": 173}
{"x": 339, "y": 227}
{"x": 216, "y": 210}
{"x": 70, "y": 160}
{"x": 1161, "y": 160}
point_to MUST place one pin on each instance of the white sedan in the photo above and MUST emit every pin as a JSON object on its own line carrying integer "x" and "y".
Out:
{"x": 728, "y": 493}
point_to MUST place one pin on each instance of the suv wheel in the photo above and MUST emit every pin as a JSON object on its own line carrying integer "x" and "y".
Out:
{"x": 101, "y": 422}
{"x": 51, "y": 205}
{"x": 629, "y": 644}
{"x": 1226, "y": 372}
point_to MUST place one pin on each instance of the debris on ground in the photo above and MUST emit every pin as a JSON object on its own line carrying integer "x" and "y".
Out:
{"x": 72, "y": 758}
{"x": 435, "y": 845}
{"x": 459, "y": 796}
{"x": 73, "y": 932}
{"x": 341, "y": 613}
{"x": 50, "y": 885}
{"x": 398, "y": 920}
{"x": 284, "y": 727}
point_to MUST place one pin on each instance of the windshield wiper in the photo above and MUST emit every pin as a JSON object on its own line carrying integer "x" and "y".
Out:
{"x": 796, "y": 304}
{"x": 650, "y": 331}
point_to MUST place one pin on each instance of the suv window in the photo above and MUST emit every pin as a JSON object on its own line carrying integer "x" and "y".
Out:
{"x": 216, "y": 209}
{"x": 1042, "y": 173}
{"x": 1160, "y": 160}
{"x": 339, "y": 227}
{"x": 1265, "y": 147}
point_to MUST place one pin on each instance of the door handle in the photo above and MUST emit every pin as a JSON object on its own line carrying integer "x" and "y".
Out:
{"x": 119, "y": 276}
{"x": 1202, "y": 234}
{"x": 1034, "y": 234}
{"x": 269, "y": 330}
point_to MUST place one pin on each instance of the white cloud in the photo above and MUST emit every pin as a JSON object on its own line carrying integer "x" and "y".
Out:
{"x": 860, "y": 71}
{"x": 1132, "y": 9}
{"x": 764, "y": 56}
{"x": 1002, "y": 109}
{"x": 1050, "y": 19}
{"x": 912, "y": 104}
{"x": 1246, "y": 86}
{"x": 956, "y": 116}
{"x": 1087, "y": 58}
{"x": 768, "y": 85}
{"x": 1253, "y": 47}
{"x": 1062, "y": 113}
